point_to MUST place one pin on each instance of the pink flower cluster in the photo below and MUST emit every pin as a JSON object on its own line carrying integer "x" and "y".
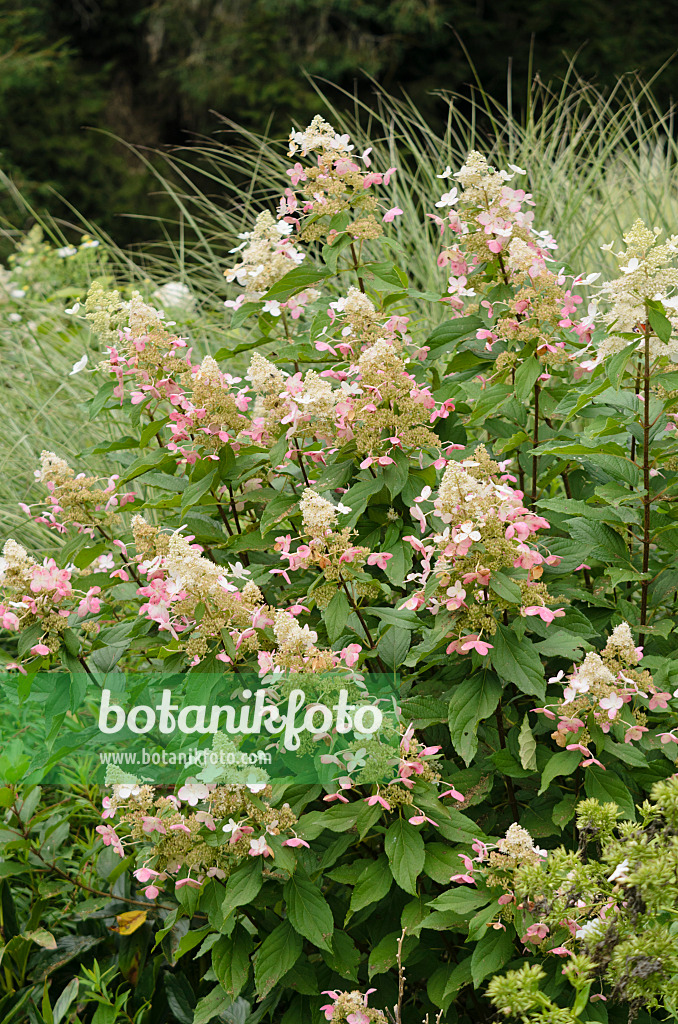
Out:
{"x": 409, "y": 766}
{"x": 445, "y": 554}
{"x": 592, "y": 689}
{"x": 190, "y": 793}
{"x": 353, "y": 1018}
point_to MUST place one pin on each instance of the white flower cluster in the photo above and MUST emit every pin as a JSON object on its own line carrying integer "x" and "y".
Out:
{"x": 320, "y": 135}
{"x": 593, "y": 674}
{"x": 518, "y": 843}
{"x": 381, "y": 356}
{"x": 647, "y": 274}
{"x": 458, "y": 488}
{"x": 267, "y": 255}
{"x": 265, "y": 377}
{"x": 318, "y": 514}
{"x": 293, "y": 638}
{"x": 190, "y": 570}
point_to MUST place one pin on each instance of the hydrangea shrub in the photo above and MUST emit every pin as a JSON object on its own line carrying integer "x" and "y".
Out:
{"x": 471, "y": 491}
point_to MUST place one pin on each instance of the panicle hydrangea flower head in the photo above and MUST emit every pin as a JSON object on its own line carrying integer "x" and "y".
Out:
{"x": 267, "y": 254}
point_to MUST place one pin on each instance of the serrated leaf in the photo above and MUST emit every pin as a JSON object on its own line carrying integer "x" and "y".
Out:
{"x": 343, "y": 957}
{"x": 214, "y": 1004}
{"x": 393, "y": 646}
{"x": 151, "y": 460}
{"x": 195, "y": 490}
{"x": 358, "y": 496}
{"x": 446, "y": 336}
{"x": 231, "y": 960}
{"x": 526, "y": 377}
{"x": 564, "y": 810}
{"x": 96, "y": 404}
{"x": 372, "y": 885}
{"x": 505, "y": 587}
{"x": 463, "y": 900}
{"x": 659, "y": 322}
{"x": 494, "y": 949}
{"x": 517, "y": 661}
{"x": 441, "y": 862}
{"x": 563, "y": 763}
{"x": 275, "y": 510}
{"x": 277, "y": 954}
{"x": 616, "y": 365}
{"x": 335, "y": 616}
{"x": 296, "y": 280}
{"x": 607, "y": 787}
{"x": 384, "y": 955}
{"x": 405, "y": 851}
{"x": 29, "y": 637}
{"x": 599, "y": 540}
{"x": 242, "y": 886}
{"x": 395, "y": 475}
{"x": 527, "y": 745}
{"x": 472, "y": 700}
{"x": 308, "y": 910}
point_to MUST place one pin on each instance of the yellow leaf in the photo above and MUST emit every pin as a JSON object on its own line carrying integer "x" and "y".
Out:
{"x": 130, "y": 921}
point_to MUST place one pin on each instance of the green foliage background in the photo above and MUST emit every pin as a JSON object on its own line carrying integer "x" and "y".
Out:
{"x": 158, "y": 74}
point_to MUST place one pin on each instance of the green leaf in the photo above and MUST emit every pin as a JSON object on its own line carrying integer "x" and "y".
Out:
{"x": 461, "y": 975}
{"x": 505, "y": 587}
{"x": 320, "y": 322}
{"x": 599, "y": 540}
{"x": 194, "y": 492}
{"x": 277, "y": 954}
{"x": 463, "y": 900}
{"x": 358, "y": 496}
{"x": 607, "y": 787}
{"x": 405, "y": 851}
{"x": 373, "y": 884}
{"x": 180, "y": 998}
{"x": 96, "y": 404}
{"x": 659, "y": 322}
{"x": 393, "y": 646}
{"x": 389, "y": 273}
{"x": 29, "y": 637}
{"x": 151, "y": 460}
{"x": 507, "y": 764}
{"x": 494, "y": 949}
{"x": 151, "y": 429}
{"x": 563, "y": 763}
{"x": 441, "y": 862}
{"x": 65, "y": 999}
{"x": 296, "y": 280}
{"x": 397, "y": 617}
{"x": 275, "y": 510}
{"x": 445, "y": 337}
{"x": 395, "y": 475}
{"x": 616, "y": 365}
{"x": 343, "y": 957}
{"x": 526, "y": 377}
{"x": 212, "y": 1005}
{"x": 564, "y": 810}
{"x": 516, "y": 661}
{"x": 472, "y": 700}
{"x": 478, "y": 925}
{"x": 242, "y": 886}
{"x": 336, "y": 615}
{"x": 423, "y": 710}
{"x": 308, "y": 910}
{"x": 231, "y": 960}
{"x": 527, "y": 745}
{"x": 384, "y": 955}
